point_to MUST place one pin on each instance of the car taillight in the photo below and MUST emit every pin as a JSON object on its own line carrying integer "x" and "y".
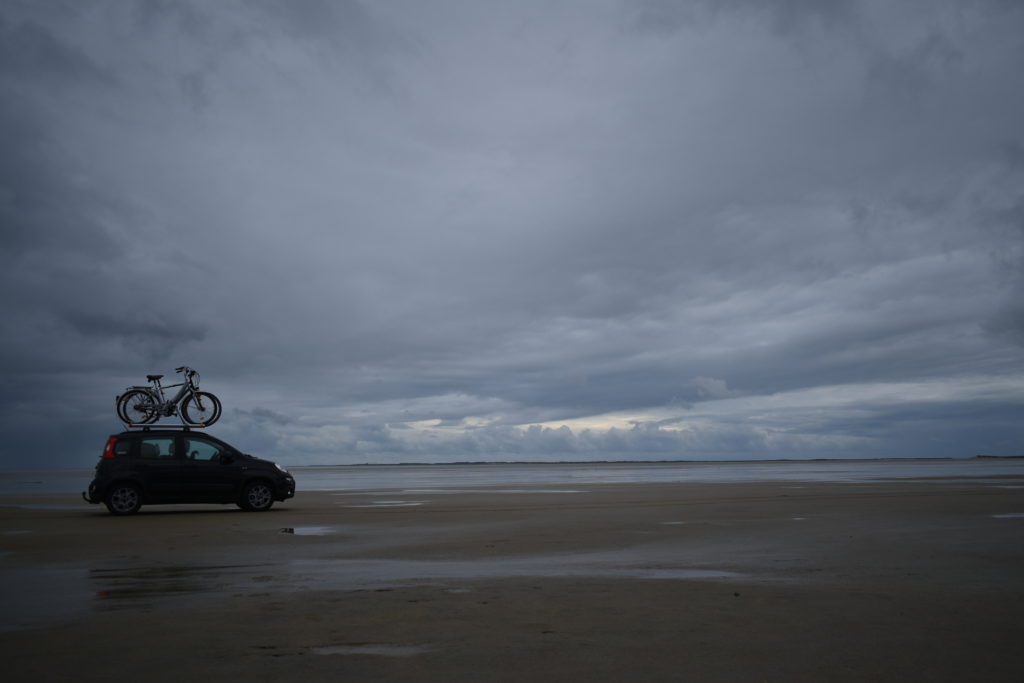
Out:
{"x": 108, "y": 452}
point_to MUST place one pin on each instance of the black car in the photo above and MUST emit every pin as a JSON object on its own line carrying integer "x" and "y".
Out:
{"x": 155, "y": 466}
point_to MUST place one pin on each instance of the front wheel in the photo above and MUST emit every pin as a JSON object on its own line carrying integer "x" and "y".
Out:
{"x": 257, "y": 497}
{"x": 201, "y": 408}
{"x": 137, "y": 407}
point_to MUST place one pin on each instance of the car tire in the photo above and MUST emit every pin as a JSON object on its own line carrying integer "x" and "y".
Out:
{"x": 257, "y": 496}
{"x": 123, "y": 499}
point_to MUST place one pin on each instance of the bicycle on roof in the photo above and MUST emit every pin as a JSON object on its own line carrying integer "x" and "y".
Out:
{"x": 140, "y": 405}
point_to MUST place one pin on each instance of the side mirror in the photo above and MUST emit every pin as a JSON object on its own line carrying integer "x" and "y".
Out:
{"x": 226, "y": 458}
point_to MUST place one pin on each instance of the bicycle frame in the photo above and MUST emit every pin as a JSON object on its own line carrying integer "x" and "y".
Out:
{"x": 186, "y": 387}
{"x": 157, "y": 391}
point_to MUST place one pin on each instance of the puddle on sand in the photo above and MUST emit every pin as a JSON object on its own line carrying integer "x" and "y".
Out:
{"x": 445, "y": 492}
{"x": 669, "y": 573}
{"x": 369, "y": 649}
{"x": 308, "y": 530}
{"x": 351, "y": 574}
{"x": 389, "y": 504}
{"x": 488, "y": 491}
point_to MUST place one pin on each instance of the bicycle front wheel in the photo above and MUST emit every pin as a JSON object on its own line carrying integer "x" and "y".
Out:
{"x": 201, "y": 408}
{"x": 137, "y": 407}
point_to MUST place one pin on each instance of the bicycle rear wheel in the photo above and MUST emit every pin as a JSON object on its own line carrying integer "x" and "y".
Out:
{"x": 201, "y": 408}
{"x": 137, "y": 407}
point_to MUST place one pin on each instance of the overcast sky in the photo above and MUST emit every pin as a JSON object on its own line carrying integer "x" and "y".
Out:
{"x": 402, "y": 231}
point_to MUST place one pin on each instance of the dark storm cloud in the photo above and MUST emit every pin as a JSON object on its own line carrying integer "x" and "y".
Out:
{"x": 459, "y": 230}
{"x": 783, "y": 16}
{"x": 30, "y": 53}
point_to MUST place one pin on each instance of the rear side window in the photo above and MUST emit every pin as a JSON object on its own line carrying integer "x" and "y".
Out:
{"x": 156, "y": 448}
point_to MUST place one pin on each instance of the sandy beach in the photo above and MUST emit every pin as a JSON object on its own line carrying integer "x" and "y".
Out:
{"x": 775, "y": 581}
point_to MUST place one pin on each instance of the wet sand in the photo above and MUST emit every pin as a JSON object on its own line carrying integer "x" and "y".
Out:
{"x": 889, "y": 581}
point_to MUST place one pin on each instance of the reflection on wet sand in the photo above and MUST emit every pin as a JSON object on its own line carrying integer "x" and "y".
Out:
{"x": 118, "y": 588}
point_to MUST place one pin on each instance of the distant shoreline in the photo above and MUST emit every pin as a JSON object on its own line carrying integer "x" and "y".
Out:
{"x": 439, "y": 475}
{"x": 666, "y": 462}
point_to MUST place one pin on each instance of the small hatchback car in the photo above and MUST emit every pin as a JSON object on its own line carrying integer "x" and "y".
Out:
{"x": 156, "y": 466}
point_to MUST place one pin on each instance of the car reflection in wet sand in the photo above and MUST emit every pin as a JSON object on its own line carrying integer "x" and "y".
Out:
{"x": 124, "y": 587}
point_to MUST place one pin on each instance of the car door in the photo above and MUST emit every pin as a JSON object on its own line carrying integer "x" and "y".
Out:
{"x": 159, "y": 466}
{"x": 211, "y": 469}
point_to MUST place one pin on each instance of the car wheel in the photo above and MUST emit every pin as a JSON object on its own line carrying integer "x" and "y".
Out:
{"x": 124, "y": 499}
{"x": 257, "y": 497}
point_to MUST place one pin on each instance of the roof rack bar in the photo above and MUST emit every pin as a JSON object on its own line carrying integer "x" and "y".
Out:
{"x": 147, "y": 427}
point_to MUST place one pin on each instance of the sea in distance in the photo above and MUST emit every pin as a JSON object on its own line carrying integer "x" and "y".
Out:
{"x": 450, "y": 476}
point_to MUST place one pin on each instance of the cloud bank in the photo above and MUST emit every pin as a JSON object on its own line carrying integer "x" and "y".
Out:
{"x": 403, "y": 231}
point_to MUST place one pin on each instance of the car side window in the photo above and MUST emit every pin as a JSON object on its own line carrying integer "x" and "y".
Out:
{"x": 156, "y": 448}
{"x": 203, "y": 450}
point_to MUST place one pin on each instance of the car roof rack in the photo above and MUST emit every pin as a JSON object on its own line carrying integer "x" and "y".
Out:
{"x": 149, "y": 427}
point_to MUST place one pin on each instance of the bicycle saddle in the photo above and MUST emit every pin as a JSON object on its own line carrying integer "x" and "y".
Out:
{"x": 153, "y": 377}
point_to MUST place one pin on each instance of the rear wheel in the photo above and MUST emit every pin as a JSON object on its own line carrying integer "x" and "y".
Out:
{"x": 201, "y": 408}
{"x": 137, "y": 407}
{"x": 124, "y": 499}
{"x": 257, "y": 497}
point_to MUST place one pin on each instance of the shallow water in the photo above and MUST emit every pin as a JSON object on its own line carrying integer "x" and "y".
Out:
{"x": 563, "y": 477}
